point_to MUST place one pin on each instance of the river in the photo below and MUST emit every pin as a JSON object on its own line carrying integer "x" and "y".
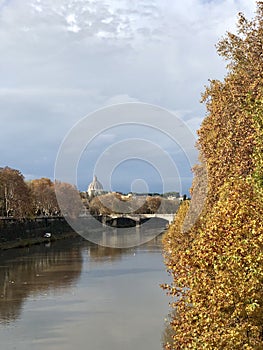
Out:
{"x": 73, "y": 294}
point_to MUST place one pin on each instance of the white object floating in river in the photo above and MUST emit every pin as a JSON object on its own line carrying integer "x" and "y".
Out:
{"x": 47, "y": 235}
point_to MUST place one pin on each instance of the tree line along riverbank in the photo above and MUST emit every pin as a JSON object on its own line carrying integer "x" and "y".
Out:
{"x": 22, "y": 199}
{"x": 28, "y": 209}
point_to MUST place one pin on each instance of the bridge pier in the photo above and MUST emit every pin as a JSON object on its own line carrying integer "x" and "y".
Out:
{"x": 104, "y": 220}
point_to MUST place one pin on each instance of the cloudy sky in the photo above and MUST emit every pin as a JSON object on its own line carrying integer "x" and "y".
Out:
{"x": 62, "y": 60}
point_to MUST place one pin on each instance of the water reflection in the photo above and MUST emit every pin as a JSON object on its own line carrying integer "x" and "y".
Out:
{"x": 53, "y": 267}
{"x": 121, "y": 237}
{"x": 35, "y": 270}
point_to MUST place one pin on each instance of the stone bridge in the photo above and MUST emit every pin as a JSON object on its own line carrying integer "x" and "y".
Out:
{"x": 140, "y": 218}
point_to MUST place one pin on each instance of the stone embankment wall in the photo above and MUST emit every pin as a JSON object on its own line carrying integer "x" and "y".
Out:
{"x": 32, "y": 230}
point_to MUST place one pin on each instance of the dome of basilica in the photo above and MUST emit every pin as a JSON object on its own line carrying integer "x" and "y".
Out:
{"x": 95, "y": 187}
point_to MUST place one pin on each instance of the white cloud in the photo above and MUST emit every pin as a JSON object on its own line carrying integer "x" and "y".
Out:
{"x": 61, "y": 60}
{"x": 124, "y": 98}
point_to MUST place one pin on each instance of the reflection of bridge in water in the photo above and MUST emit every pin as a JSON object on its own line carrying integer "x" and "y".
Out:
{"x": 122, "y": 230}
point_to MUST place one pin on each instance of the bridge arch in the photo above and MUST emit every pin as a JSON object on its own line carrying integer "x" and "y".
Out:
{"x": 131, "y": 220}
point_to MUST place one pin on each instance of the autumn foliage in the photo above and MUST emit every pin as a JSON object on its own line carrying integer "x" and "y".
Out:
{"x": 15, "y": 197}
{"x": 216, "y": 261}
{"x": 43, "y": 197}
{"x": 116, "y": 203}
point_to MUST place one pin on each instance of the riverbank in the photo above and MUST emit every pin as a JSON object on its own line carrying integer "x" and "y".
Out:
{"x": 16, "y": 233}
{"x": 22, "y": 243}
{"x": 23, "y": 233}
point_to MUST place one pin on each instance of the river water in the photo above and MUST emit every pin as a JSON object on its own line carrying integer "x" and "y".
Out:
{"x": 73, "y": 294}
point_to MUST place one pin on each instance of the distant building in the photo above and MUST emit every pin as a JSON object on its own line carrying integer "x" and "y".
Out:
{"x": 171, "y": 195}
{"x": 95, "y": 188}
{"x": 173, "y": 198}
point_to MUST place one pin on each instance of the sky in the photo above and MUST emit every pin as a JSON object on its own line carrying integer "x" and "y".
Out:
{"x": 62, "y": 60}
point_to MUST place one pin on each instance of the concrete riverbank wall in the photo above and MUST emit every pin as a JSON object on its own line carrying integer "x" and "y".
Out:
{"x": 14, "y": 232}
